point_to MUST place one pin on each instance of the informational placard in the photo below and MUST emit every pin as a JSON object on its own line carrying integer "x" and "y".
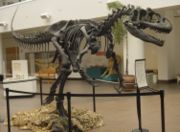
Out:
{"x": 141, "y": 74}
{"x": 19, "y": 69}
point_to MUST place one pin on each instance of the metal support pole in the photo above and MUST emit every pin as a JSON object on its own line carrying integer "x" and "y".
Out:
{"x": 138, "y": 101}
{"x": 94, "y": 99}
{"x": 162, "y": 110}
{"x": 8, "y": 110}
{"x": 69, "y": 111}
{"x": 40, "y": 87}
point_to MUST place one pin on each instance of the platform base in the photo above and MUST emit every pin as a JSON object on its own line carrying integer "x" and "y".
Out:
{"x": 138, "y": 130}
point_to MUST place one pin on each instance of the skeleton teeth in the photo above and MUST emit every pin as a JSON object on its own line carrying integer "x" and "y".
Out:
{"x": 156, "y": 34}
{"x": 162, "y": 36}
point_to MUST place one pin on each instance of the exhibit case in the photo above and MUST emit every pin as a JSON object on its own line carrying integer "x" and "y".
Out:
{"x": 26, "y": 85}
{"x": 20, "y": 80}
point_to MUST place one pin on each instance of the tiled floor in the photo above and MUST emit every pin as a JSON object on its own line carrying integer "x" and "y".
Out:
{"x": 119, "y": 113}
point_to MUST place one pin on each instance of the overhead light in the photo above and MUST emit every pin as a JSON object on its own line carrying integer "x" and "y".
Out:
{"x": 3, "y": 24}
{"x": 46, "y": 16}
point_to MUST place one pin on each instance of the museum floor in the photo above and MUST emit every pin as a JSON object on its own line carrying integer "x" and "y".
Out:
{"x": 119, "y": 113}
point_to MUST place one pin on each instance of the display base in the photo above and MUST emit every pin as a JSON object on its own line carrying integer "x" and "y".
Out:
{"x": 138, "y": 130}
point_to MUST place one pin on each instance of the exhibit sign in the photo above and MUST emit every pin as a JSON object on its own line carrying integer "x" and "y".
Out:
{"x": 19, "y": 69}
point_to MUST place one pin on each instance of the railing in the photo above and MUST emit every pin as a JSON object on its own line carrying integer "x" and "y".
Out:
{"x": 8, "y": 2}
{"x": 69, "y": 96}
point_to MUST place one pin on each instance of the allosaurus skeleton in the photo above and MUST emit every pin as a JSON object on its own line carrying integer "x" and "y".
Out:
{"x": 66, "y": 36}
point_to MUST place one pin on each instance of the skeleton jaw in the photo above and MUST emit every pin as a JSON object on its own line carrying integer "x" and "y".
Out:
{"x": 166, "y": 27}
{"x": 141, "y": 34}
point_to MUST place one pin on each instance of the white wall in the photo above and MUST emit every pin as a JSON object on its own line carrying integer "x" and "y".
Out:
{"x": 177, "y": 46}
{"x": 168, "y": 54}
{"x": 151, "y": 55}
{"x": 166, "y": 59}
{"x": 28, "y": 14}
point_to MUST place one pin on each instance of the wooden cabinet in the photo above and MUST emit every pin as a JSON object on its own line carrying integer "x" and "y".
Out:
{"x": 12, "y": 53}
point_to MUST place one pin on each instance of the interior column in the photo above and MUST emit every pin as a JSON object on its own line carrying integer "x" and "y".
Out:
{"x": 133, "y": 49}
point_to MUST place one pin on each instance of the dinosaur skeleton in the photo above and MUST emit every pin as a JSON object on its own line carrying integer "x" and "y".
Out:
{"x": 66, "y": 36}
